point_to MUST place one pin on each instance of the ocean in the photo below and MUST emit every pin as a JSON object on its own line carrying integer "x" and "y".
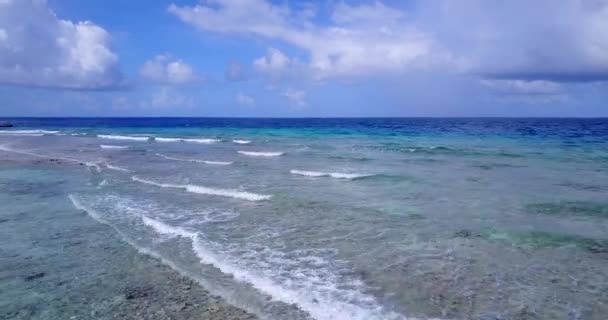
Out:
{"x": 380, "y": 218}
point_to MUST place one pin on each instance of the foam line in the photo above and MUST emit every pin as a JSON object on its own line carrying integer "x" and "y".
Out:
{"x": 107, "y": 146}
{"x": 220, "y": 163}
{"x": 118, "y": 137}
{"x": 337, "y": 175}
{"x": 116, "y": 168}
{"x": 42, "y": 156}
{"x": 192, "y": 140}
{"x": 243, "y": 195}
{"x": 261, "y": 154}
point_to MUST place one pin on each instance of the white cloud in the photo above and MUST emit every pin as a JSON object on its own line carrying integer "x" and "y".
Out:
{"x": 162, "y": 69}
{"x": 245, "y": 100}
{"x": 39, "y": 49}
{"x": 273, "y": 63}
{"x": 564, "y": 40}
{"x": 295, "y": 97}
{"x": 360, "y": 41}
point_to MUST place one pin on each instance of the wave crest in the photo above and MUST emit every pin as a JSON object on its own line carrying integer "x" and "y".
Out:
{"x": 231, "y": 193}
{"x": 337, "y": 175}
{"x": 115, "y": 147}
{"x": 261, "y": 154}
{"x": 192, "y": 140}
{"x": 220, "y": 163}
{"x": 118, "y": 137}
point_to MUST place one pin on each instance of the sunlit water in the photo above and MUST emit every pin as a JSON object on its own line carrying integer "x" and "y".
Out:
{"x": 353, "y": 219}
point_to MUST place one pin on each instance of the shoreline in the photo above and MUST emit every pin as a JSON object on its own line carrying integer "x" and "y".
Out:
{"x": 59, "y": 263}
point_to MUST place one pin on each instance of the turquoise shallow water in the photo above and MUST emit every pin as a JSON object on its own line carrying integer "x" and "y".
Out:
{"x": 352, "y": 218}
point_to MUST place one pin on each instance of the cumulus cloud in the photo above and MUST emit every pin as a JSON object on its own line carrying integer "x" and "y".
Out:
{"x": 296, "y": 97}
{"x": 359, "y": 40}
{"x": 564, "y": 40}
{"x": 245, "y": 100}
{"x": 40, "y": 50}
{"x": 165, "y": 70}
{"x": 275, "y": 62}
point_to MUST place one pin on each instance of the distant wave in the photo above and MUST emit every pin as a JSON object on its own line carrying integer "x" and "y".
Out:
{"x": 208, "y": 191}
{"x": 28, "y": 132}
{"x": 107, "y": 146}
{"x": 219, "y": 163}
{"x": 22, "y": 134}
{"x": 241, "y": 141}
{"x": 43, "y": 156}
{"x": 116, "y": 168}
{"x": 261, "y": 154}
{"x": 117, "y": 137}
{"x": 336, "y": 175}
{"x": 192, "y": 140}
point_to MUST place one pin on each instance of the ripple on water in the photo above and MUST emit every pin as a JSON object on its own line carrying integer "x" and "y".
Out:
{"x": 570, "y": 208}
{"x": 535, "y": 239}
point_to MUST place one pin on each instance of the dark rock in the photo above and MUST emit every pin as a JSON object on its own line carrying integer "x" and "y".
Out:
{"x": 137, "y": 292}
{"x": 524, "y": 313}
{"x": 34, "y": 276}
{"x": 597, "y": 248}
{"x": 465, "y": 234}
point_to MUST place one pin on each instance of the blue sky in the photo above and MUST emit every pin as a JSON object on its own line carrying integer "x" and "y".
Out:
{"x": 304, "y": 58}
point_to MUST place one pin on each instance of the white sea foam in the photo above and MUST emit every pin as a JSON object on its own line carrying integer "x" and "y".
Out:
{"x": 261, "y": 154}
{"x": 241, "y": 141}
{"x": 159, "y": 139}
{"x": 311, "y": 283}
{"x": 220, "y": 163}
{"x": 118, "y": 137}
{"x": 191, "y": 140}
{"x": 166, "y": 229}
{"x": 337, "y": 175}
{"x": 95, "y": 166}
{"x": 318, "y": 290}
{"x": 28, "y": 132}
{"x": 107, "y": 146}
{"x": 22, "y": 134}
{"x": 117, "y": 168}
{"x": 208, "y": 191}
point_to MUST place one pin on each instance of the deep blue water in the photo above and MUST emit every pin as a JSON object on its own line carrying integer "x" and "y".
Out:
{"x": 592, "y": 130}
